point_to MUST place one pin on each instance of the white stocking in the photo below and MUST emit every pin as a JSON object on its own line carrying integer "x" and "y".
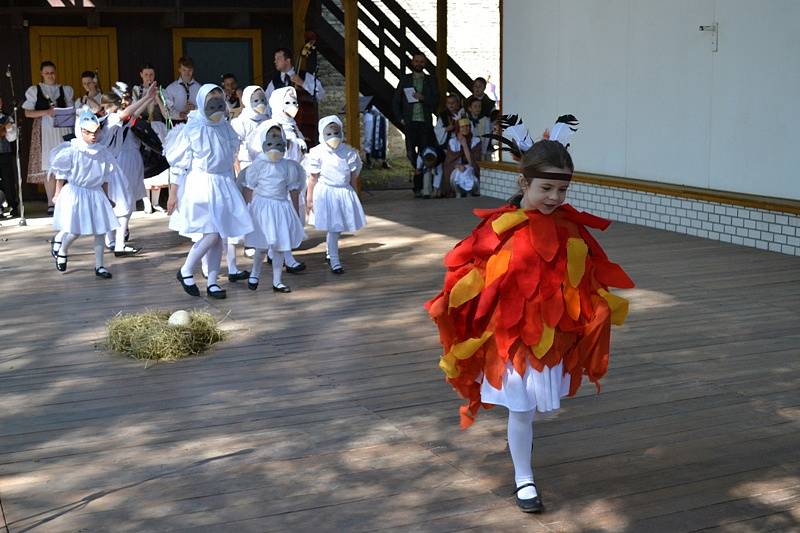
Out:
{"x": 119, "y": 240}
{"x": 288, "y": 258}
{"x": 214, "y": 256}
{"x": 196, "y": 253}
{"x": 277, "y": 268}
{"x": 520, "y": 444}
{"x": 332, "y": 241}
{"x": 66, "y": 240}
{"x": 258, "y": 264}
{"x": 98, "y": 251}
{"x": 57, "y": 241}
{"x": 231, "y": 257}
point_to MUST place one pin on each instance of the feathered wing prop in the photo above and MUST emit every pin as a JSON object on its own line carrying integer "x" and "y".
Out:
{"x": 515, "y": 138}
{"x": 564, "y": 128}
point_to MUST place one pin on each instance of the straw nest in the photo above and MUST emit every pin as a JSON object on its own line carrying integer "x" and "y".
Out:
{"x": 149, "y": 335}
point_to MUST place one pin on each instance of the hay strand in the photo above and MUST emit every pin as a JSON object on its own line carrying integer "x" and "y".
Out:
{"x": 149, "y": 336}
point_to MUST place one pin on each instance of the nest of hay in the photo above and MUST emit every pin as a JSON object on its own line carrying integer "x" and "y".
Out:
{"x": 148, "y": 335}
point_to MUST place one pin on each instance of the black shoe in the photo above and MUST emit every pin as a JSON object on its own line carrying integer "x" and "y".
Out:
{"x": 127, "y": 251}
{"x": 238, "y": 276}
{"x": 53, "y": 252}
{"x": 250, "y": 285}
{"x": 102, "y": 272}
{"x": 269, "y": 260}
{"x": 296, "y": 269}
{"x": 191, "y": 290}
{"x": 221, "y": 294}
{"x": 530, "y": 505}
{"x": 50, "y": 210}
{"x": 337, "y": 270}
{"x": 61, "y": 267}
{"x": 281, "y": 288}
{"x": 127, "y": 235}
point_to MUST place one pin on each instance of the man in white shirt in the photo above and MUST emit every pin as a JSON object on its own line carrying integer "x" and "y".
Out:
{"x": 285, "y": 75}
{"x": 181, "y": 93}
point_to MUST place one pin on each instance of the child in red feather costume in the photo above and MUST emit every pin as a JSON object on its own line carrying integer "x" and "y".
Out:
{"x": 526, "y": 311}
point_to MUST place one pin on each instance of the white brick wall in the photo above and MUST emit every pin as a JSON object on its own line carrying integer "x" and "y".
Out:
{"x": 758, "y": 228}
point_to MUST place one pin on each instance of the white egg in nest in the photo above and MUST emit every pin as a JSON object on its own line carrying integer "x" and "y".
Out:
{"x": 180, "y": 318}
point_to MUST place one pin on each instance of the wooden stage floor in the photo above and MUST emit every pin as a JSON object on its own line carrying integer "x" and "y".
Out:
{"x": 325, "y": 410}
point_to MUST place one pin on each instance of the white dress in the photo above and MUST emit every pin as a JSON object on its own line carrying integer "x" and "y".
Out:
{"x": 124, "y": 145}
{"x": 245, "y": 125}
{"x": 336, "y": 205}
{"x": 535, "y": 390}
{"x": 201, "y": 155}
{"x": 82, "y": 207}
{"x": 277, "y": 224}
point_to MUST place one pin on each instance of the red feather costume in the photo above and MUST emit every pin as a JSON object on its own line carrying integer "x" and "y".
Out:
{"x": 527, "y": 289}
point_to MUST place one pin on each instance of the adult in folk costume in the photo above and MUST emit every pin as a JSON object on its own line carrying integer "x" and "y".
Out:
{"x": 40, "y": 103}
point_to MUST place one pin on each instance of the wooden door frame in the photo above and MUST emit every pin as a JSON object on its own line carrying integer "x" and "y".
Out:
{"x": 179, "y": 34}
{"x": 36, "y": 32}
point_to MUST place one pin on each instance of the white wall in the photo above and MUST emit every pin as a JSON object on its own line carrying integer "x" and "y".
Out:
{"x": 654, "y": 101}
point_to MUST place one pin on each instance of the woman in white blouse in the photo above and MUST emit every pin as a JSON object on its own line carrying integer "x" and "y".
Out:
{"x": 40, "y": 103}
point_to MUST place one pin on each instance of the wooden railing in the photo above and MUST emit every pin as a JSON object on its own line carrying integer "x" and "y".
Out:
{"x": 394, "y": 38}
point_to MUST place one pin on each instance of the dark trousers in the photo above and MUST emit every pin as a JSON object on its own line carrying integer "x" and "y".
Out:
{"x": 8, "y": 180}
{"x": 419, "y": 135}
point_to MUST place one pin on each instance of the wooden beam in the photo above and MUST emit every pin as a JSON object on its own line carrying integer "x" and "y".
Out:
{"x": 441, "y": 51}
{"x": 351, "y": 76}
{"x": 299, "y": 13}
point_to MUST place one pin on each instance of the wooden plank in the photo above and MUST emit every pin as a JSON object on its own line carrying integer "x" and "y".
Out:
{"x": 326, "y": 407}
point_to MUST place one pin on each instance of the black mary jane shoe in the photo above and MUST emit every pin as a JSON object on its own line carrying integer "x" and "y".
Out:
{"x": 51, "y": 209}
{"x": 281, "y": 288}
{"x": 530, "y": 505}
{"x": 128, "y": 251}
{"x": 295, "y": 269}
{"x": 191, "y": 290}
{"x": 238, "y": 276}
{"x": 61, "y": 267}
{"x": 337, "y": 270}
{"x": 250, "y": 285}
{"x": 54, "y": 252}
{"x": 102, "y": 272}
{"x": 221, "y": 294}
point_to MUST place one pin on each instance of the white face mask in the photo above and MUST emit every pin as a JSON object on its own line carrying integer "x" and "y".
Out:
{"x": 259, "y": 102}
{"x": 214, "y": 107}
{"x": 274, "y": 146}
{"x": 291, "y": 110}
{"x": 332, "y": 134}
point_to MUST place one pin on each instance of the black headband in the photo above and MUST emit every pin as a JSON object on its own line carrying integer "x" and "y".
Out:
{"x": 530, "y": 174}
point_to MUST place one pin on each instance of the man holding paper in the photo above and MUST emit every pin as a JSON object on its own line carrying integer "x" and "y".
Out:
{"x": 414, "y": 103}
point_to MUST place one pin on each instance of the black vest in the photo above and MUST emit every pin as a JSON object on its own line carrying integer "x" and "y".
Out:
{"x": 43, "y": 102}
{"x": 277, "y": 79}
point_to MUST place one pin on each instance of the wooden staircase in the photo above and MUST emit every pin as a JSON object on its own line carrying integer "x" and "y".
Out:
{"x": 388, "y": 42}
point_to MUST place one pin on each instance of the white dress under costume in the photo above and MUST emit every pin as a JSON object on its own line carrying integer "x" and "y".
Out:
{"x": 124, "y": 146}
{"x": 277, "y": 224}
{"x": 201, "y": 156}
{"x": 82, "y": 207}
{"x": 466, "y": 179}
{"x": 336, "y": 205}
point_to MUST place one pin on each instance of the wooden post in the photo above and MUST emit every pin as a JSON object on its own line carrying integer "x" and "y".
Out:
{"x": 299, "y": 13}
{"x": 352, "y": 124}
{"x": 441, "y": 51}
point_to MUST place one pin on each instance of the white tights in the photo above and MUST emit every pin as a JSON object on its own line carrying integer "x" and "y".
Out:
{"x": 332, "y": 242}
{"x": 211, "y": 244}
{"x": 68, "y": 238}
{"x": 117, "y": 236}
{"x": 520, "y": 444}
{"x": 277, "y": 266}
